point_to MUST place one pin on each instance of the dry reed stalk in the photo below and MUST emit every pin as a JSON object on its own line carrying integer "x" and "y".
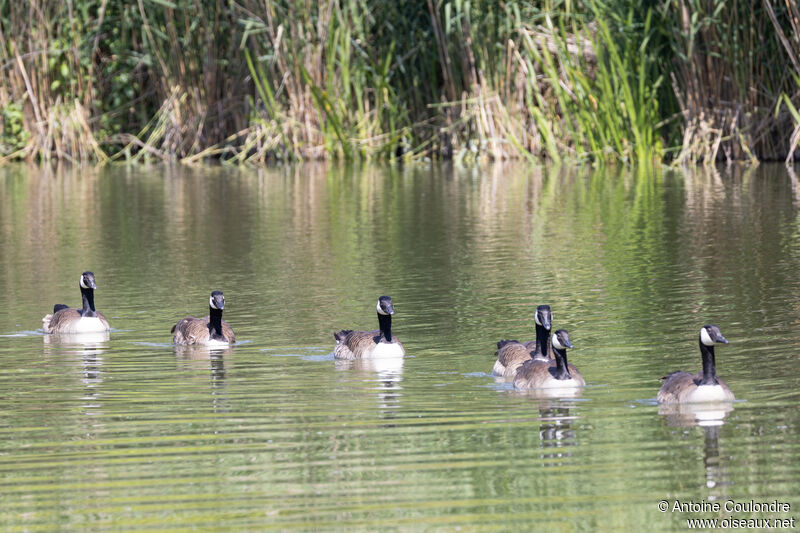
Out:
{"x": 578, "y": 45}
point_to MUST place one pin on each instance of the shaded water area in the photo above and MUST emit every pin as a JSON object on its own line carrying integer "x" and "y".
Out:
{"x": 132, "y": 433}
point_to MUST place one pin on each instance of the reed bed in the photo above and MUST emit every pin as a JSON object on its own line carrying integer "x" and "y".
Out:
{"x": 259, "y": 81}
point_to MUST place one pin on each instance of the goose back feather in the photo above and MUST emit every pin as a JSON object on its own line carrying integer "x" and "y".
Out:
{"x": 191, "y": 330}
{"x": 362, "y": 344}
{"x": 68, "y": 320}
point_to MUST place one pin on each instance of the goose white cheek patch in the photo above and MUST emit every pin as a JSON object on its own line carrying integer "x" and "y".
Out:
{"x": 380, "y": 311}
{"x": 83, "y": 284}
{"x": 705, "y": 338}
{"x": 557, "y": 343}
{"x": 212, "y": 304}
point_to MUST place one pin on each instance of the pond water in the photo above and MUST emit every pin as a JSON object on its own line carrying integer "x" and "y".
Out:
{"x": 132, "y": 433}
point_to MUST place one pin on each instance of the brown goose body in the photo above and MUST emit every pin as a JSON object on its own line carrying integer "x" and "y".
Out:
{"x": 511, "y": 355}
{"x": 363, "y": 344}
{"x": 68, "y": 320}
{"x": 536, "y": 374}
{"x": 191, "y": 330}
{"x": 683, "y": 387}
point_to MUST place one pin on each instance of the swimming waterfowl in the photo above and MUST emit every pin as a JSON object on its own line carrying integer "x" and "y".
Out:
{"x": 511, "y": 355}
{"x": 85, "y": 320}
{"x": 705, "y": 386}
{"x": 538, "y": 374}
{"x": 376, "y": 343}
{"x": 210, "y": 330}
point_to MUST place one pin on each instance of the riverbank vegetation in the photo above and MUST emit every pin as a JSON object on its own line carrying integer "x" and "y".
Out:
{"x": 685, "y": 81}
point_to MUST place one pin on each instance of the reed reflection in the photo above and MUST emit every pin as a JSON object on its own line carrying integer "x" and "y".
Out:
{"x": 795, "y": 184}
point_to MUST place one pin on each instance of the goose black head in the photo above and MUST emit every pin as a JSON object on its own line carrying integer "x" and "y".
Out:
{"x": 217, "y": 300}
{"x": 710, "y": 335}
{"x": 561, "y": 339}
{"x": 543, "y": 317}
{"x": 87, "y": 280}
{"x": 385, "y": 306}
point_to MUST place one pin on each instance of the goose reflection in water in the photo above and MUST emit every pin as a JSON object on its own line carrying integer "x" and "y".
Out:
{"x": 695, "y": 414}
{"x": 387, "y": 372}
{"x": 709, "y": 417}
{"x": 89, "y": 347}
{"x": 199, "y": 358}
{"x": 556, "y": 431}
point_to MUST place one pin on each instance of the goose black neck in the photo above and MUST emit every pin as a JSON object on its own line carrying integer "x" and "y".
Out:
{"x": 562, "y": 369}
{"x": 385, "y": 323}
{"x": 709, "y": 365}
{"x": 215, "y": 322}
{"x": 88, "y": 302}
{"x": 542, "y": 343}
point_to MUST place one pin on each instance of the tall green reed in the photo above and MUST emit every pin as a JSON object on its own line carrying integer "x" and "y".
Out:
{"x": 598, "y": 97}
{"x": 255, "y": 81}
{"x": 322, "y": 81}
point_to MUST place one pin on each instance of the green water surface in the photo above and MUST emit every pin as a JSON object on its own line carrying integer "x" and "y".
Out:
{"x": 131, "y": 433}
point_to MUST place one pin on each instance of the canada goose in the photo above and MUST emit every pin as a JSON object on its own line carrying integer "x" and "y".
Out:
{"x": 210, "y": 330}
{"x": 376, "y": 343}
{"x": 705, "y": 386}
{"x": 512, "y": 354}
{"x": 84, "y": 320}
{"x": 538, "y": 374}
